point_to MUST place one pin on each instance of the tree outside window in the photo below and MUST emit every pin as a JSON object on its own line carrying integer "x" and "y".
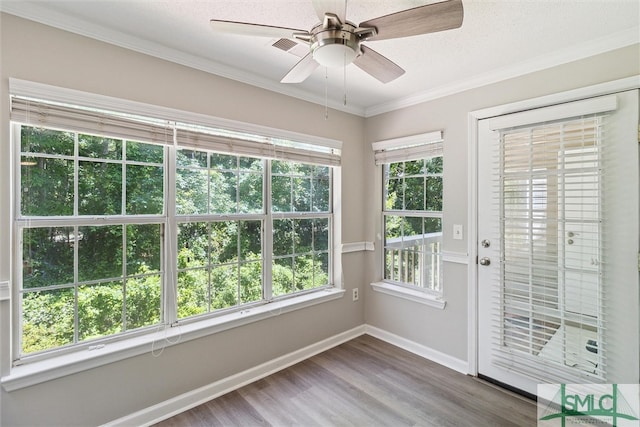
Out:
{"x": 413, "y": 223}
{"x": 96, "y": 234}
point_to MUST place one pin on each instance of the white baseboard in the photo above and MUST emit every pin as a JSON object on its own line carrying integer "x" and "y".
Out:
{"x": 186, "y": 401}
{"x": 419, "y": 349}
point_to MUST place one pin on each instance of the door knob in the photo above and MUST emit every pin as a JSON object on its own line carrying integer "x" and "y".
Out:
{"x": 485, "y": 261}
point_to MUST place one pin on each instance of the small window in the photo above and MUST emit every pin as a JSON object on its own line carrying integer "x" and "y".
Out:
{"x": 412, "y": 213}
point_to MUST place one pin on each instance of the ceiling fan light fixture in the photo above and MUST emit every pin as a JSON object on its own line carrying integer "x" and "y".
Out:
{"x": 334, "y": 55}
{"x": 335, "y": 47}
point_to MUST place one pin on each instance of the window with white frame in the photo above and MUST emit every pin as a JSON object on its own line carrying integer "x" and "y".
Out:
{"x": 125, "y": 223}
{"x": 412, "y": 210}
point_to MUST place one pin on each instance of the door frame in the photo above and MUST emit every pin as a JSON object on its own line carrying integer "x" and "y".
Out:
{"x": 473, "y": 118}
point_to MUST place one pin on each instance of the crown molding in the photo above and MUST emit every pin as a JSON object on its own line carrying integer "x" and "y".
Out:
{"x": 614, "y": 41}
{"x": 39, "y": 14}
{"x": 36, "y": 13}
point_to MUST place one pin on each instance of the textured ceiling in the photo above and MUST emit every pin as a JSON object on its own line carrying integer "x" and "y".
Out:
{"x": 498, "y": 39}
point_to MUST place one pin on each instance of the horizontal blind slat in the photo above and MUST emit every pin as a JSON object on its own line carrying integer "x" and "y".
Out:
{"x": 434, "y": 149}
{"x": 112, "y": 124}
{"x": 547, "y": 184}
{"x": 223, "y": 144}
{"x": 94, "y": 122}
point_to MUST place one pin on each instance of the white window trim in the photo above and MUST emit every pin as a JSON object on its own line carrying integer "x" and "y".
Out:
{"x": 154, "y": 343}
{"x": 91, "y": 356}
{"x": 415, "y": 294}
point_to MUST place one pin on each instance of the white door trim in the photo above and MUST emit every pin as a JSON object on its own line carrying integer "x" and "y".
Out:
{"x": 472, "y": 184}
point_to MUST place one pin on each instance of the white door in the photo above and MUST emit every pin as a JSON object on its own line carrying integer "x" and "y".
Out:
{"x": 558, "y": 217}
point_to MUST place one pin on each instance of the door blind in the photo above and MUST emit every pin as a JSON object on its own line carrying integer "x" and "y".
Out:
{"x": 548, "y": 312}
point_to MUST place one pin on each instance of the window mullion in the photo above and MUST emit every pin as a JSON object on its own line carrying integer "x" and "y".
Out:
{"x": 76, "y": 174}
{"x": 238, "y": 236}
{"x": 76, "y": 320}
{"x": 123, "y": 210}
{"x": 124, "y": 277}
{"x": 76, "y": 203}
{"x": 123, "y": 193}
{"x": 267, "y": 241}
{"x": 170, "y": 240}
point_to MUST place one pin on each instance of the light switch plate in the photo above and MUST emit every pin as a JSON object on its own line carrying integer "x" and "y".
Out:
{"x": 457, "y": 231}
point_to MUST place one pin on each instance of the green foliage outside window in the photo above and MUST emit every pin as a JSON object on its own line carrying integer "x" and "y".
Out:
{"x": 90, "y": 279}
{"x": 412, "y": 222}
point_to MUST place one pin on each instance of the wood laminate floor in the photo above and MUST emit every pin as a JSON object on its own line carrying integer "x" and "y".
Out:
{"x": 364, "y": 382}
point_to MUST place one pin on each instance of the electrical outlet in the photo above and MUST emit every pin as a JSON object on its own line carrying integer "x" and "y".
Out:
{"x": 355, "y": 294}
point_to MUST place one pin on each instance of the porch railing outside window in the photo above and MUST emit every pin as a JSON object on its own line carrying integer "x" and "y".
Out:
{"x": 412, "y": 215}
{"x": 418, "y": 264}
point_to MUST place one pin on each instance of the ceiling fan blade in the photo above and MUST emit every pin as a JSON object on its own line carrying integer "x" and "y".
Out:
{"x": 301, "y": 70}
{"x": 248, "y": 29}
{"x": 377, "y": 65}
{"x": 337, "y": 7}
{"x": 426, "y": 19}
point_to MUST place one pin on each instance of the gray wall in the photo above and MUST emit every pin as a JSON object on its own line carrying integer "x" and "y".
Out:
{"x": 34, "y": 52}
{"x": 38, "y": 53}
{"x": 446, "y": 330}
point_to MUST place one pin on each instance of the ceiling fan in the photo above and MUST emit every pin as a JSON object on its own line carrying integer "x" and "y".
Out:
{"x": 336, "y": 42}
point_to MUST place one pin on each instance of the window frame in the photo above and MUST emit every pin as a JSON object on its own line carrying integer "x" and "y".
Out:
{"x": 408, "y": 213}
{"x": 76, "y": 220}
{"x": 415, "y": 147}
{"x": 198, "y": 324}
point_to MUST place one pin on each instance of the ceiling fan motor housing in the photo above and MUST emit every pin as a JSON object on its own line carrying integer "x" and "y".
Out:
{"x": 335, "y": 44}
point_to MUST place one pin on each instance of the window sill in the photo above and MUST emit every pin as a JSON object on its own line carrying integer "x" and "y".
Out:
{"x": 59, "y": 366}
{"x": 409, "y": 294}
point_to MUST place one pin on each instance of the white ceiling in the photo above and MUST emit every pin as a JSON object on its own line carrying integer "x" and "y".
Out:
{"x": 498, "y": 39}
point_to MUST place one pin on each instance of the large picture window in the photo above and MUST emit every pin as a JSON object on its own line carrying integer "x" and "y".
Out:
{"x": 117, "y": 235}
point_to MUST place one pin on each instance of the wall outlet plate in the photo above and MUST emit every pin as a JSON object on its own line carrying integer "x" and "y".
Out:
{"x": 356, "y": 294}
